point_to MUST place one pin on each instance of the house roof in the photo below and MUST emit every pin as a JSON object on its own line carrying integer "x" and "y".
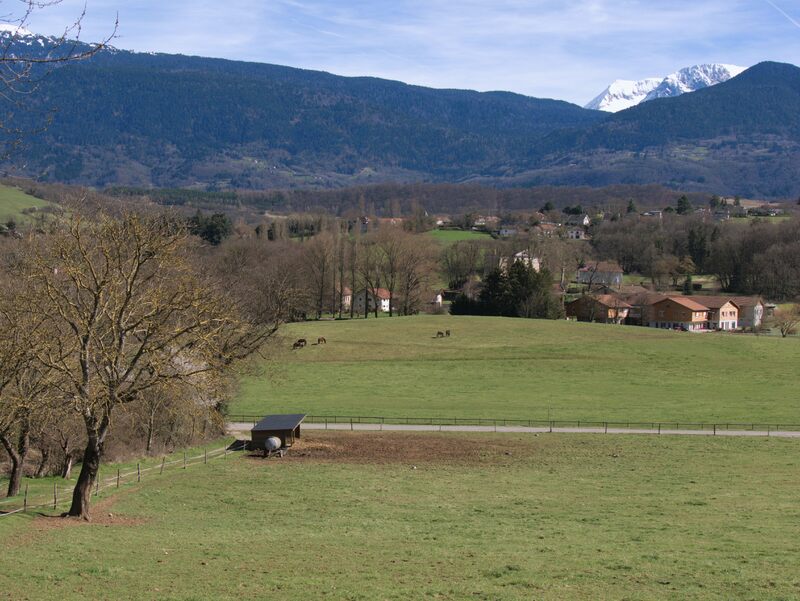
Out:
{"x": 746, "y": 301}
{"x": 685, "y": 302}
{"x": 383, "y": 293}
{"x": 607, "y": 300}
{"x": 714, "y": 302}
{"x": 270, "y": 423}
{"x": 602, "y": 266}
{"x": 643, "y": 299}
{"x": 611, "y": 300}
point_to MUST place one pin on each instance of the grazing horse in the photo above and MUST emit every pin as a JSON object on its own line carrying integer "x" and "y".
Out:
{"x": 440, "y": 334}
{"x": 299, "y": 344}
{"x": 321, "y": 340}
{"x": 447, "y": 333}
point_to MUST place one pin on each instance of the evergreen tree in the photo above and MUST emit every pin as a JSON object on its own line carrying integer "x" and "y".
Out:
{"x": 684, "y": 206}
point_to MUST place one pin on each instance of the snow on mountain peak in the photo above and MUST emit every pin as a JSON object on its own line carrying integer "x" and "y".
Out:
{"x": 623, "y": 94}
{"x": 15, "y": 30}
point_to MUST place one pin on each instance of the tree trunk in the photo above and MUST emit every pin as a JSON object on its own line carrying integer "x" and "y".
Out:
{"x": 42, "y": 463}
{"x": 66, "y": 468}
{"x": 150, "y": 429}
{"x": 15, "y": 476}
{"x": 86, "y": 479}
{"x": 96, "y": 430}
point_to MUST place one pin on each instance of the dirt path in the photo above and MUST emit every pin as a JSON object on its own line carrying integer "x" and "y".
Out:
{"x": 246, "y": 426}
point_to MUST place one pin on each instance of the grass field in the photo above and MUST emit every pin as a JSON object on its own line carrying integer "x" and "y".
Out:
{"x": 13, "y": 201}
{"x": 527, "y": 369}
{"x": 452, "y": 236}
{"x": 481, "y": 517}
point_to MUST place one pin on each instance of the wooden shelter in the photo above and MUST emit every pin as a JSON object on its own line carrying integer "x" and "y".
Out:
{"x": 285, "y": 427}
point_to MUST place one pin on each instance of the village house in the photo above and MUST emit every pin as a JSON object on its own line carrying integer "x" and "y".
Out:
{"x": 641, "y": 302}
{"x": 347, "y": 298}
{"x": 380, "y": 298}
{"x": 524, "y": 257}
{"x": 723, "y": 313}
{"x": 679, "y": 312}
{"x": 577, "y": 233}
{"x": 600, "y": 308}
{"x": 579, "y": 220}
{"x": 752, "y": 311}
{"x": 600, "y": 273}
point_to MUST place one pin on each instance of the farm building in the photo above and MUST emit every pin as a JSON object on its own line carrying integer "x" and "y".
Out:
{"x": 284, "y": 427}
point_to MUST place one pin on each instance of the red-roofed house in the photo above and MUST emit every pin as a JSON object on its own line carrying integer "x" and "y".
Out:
{"x": 380, "y": 298}
{"x": 601, "y": 308}
{"x": 679, "y": 312}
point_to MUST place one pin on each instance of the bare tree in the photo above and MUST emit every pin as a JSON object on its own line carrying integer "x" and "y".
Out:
{"x": 787, "y": 320}
{"x": 130, "y": 315}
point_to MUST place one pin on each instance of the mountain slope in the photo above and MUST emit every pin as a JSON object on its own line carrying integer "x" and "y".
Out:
{"x": 623, "y": 94}
{"x": 738, "y": 137}
{"x": 174, "y": 121}
{"x": 152, "y": 119}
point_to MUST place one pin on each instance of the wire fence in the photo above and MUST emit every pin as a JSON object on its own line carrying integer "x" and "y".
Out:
{"x": 62, "y": 495}
{"x": 534, "y": 423}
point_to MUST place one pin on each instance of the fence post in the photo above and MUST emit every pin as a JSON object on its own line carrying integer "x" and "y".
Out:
{"x": 163, "y": 460}
{"x": 138, "y": 472}
{"x": 117, "y": 477}
{"x": 184, "y": 460}
{"x": 606, "y": 430}
{"x": 659, "y": 428}
{"x": 205, "y": 456}
{"x": 97, "y": 485}
{"x": 715, "y": 429}
{"x": 55, "y": 495}
{"x": 551, "y": 426}
{"x": 351, "y": 423}
{"x": 25, "y": 500}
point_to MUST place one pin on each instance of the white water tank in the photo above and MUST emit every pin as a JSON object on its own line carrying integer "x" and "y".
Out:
{"x": 273, "y": 443}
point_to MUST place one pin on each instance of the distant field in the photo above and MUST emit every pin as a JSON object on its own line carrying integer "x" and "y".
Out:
{"x": 500, "y": 517}
{"x": 451, "y": 236}
{"x": 527, "y": 369}
{"x": 13, "y": 201}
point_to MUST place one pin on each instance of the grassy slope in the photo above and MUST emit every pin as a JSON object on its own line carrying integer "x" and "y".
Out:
{"x": 451, "y": 236}
{"x": 514, "y": 368}
{"x": 584, "y": 517}
{"x": 13, "y": 201}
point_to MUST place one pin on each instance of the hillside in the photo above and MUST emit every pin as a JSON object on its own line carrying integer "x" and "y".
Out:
{"x": 741, "y": 137}
{"x": 157, "y": 120}
{"x": 154, "y": 119}
{"x": 526, "y": 369}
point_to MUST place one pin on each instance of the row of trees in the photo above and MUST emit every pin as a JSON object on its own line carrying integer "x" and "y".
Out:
{"x": 757, "y": 257}
{"x": 113, "y": 313}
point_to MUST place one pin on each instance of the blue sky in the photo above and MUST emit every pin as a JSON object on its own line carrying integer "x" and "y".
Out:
{"x": 558, "y": 49}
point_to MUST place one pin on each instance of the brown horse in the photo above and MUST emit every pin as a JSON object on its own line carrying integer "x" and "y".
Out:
{"x": 321, "y": 340}
{"x": 440, "y": 334}
{"x": 299, "y": 344}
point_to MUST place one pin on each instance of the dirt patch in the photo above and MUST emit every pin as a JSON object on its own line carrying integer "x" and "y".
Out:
{"x": 405, "y": 447}
{"x": 102, "y": 514}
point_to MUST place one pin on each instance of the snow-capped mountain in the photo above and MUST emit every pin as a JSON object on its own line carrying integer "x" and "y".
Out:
{"x": 623, "y": 94}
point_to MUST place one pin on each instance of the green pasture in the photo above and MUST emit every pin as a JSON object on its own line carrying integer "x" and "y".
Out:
{"x": 549, "y": 518}
{"x": 13, "y": 201}
{"x": 526, "y": 369}
{"x": 447, "y": 237}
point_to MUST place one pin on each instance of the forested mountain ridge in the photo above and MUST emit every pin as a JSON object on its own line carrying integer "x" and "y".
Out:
{"x": 175, "y": 120}
{"x": 135, "y": 119}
